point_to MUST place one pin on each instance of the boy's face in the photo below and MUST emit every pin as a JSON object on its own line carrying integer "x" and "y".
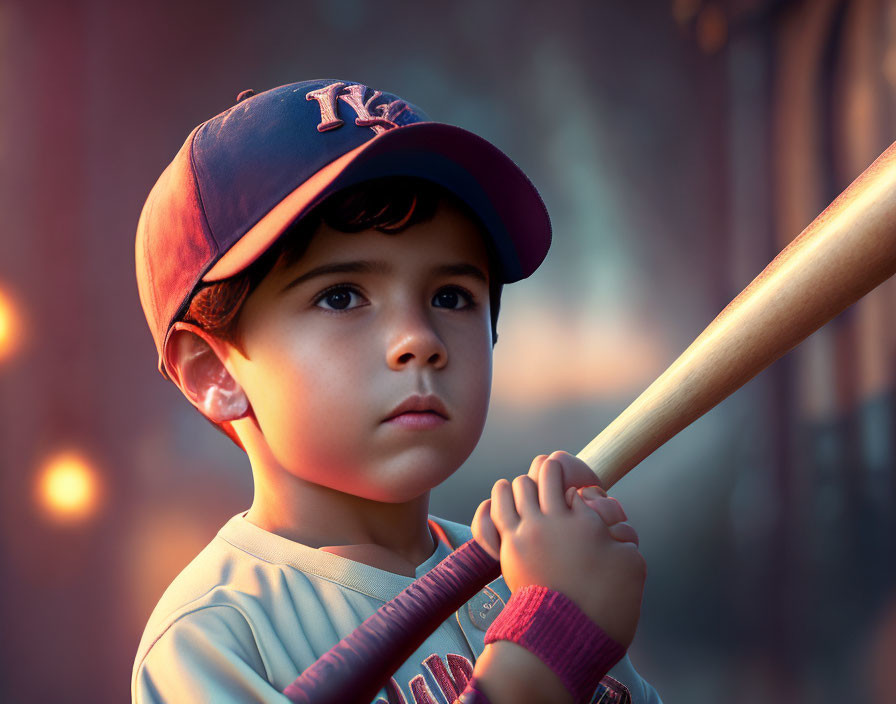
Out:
{"x": 360, "y": 324}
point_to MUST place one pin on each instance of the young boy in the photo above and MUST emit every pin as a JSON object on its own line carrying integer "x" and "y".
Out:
{"x": 321, "y": 269}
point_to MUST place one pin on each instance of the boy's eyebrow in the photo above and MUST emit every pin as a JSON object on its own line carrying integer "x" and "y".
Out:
{"x": 358, "y": 267}
{"x": 369, "y": 267}
{"x": 461, "y": 269}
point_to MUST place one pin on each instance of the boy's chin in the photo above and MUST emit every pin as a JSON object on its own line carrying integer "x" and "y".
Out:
{"x": 398, "y": 490}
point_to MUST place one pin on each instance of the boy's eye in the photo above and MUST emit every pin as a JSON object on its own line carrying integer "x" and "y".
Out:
{"x": 339, "y": 298}
{"x": 452, "y": 297}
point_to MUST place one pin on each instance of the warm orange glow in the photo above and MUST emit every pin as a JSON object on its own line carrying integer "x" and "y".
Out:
{"x": 10, "y": 328}
{"x": 68, "y": 488}
{"x": 542, "y": 358}
{"x": 712, "y": 29}
{"x": 161, "y": 543}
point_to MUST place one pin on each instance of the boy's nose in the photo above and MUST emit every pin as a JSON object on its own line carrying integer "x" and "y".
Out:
{"x": 416, "y": 342}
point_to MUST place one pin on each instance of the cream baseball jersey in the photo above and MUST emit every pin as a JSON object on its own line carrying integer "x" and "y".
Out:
{"x": 254, "y": 609}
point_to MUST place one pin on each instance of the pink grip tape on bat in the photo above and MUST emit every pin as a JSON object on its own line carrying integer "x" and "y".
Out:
{"x": 356, "y": 668}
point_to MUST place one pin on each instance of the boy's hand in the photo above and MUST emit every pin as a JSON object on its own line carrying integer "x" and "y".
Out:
{"x": 551, "y": 538}
{"x": 575, "y": 475}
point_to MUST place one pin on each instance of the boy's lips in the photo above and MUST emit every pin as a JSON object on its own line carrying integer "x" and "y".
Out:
{"x": 418, "y": 405}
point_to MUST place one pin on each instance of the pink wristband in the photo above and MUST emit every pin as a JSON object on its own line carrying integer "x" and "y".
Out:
{"x": 549, "y": 625}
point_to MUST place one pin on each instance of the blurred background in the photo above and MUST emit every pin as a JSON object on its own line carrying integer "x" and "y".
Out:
{"x": 678, "y": 144}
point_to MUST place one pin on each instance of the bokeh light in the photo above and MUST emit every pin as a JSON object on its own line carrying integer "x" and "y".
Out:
{"x": 68, "y": 488}
{"x": 10, "y": 326}
{"x": 712, "y": 29}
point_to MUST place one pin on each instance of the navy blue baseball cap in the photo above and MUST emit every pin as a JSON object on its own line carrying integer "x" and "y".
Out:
{"x": 244, "y": 176}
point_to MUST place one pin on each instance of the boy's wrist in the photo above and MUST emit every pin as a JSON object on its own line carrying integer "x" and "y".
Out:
{"x": 551, "y": 627}
{"x": 507, "y": 673}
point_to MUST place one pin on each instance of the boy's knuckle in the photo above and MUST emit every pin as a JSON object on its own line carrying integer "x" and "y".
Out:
{"x": 525, "y": 534}
{"x": 515, "y": 545}
{"x": 521, "y": 481}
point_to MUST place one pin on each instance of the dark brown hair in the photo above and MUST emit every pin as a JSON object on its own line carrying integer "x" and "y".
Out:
{"x": 391, "y": 205}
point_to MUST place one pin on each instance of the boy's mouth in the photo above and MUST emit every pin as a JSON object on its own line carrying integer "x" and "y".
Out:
{"x": 419, "y": 406}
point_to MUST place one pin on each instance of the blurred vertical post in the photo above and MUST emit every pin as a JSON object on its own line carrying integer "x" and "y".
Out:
{"x": 836, "y": 410}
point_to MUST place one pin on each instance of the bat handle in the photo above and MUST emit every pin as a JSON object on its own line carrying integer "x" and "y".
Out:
{"x": 356, "y": 668}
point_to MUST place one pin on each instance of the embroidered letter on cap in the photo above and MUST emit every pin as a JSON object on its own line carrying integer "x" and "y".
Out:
{"x": 353, "y": 96}
{"x": 326, "y": 99}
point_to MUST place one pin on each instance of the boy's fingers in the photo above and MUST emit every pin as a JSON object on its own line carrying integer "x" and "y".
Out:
{"x": 503, "y": 511}
{"x": 484, "y": 530}
{"x": 590, "y": 493}
{"x": 581, "y": 507}
{"x": 550, "y": 488}
{"x": 535, "y": 467}
{"x": 525, "y": 492}
{"x": 624, "y": 533}
{"x": 608, "y": 508}
{"x": 578, "y": 505}
{"x": 575, "y": 471}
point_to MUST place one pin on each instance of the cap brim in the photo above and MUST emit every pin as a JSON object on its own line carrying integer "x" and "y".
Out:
{"x": 475, "y": 170}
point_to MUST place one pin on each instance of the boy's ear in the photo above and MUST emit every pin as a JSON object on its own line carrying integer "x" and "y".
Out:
{"x": 194, "y": 360}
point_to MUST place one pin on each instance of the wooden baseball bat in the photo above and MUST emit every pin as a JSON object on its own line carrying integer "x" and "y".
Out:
{"x": 844, "y": 253}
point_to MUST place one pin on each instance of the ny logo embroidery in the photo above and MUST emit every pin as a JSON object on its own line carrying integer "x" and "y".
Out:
{"x": 451, "y": 678}
{"x": 380, "y": 118}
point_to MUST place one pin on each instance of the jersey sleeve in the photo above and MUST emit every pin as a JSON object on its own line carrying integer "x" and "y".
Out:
{"x": 208, "y": 655}
{"x": 640, "y": 691}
